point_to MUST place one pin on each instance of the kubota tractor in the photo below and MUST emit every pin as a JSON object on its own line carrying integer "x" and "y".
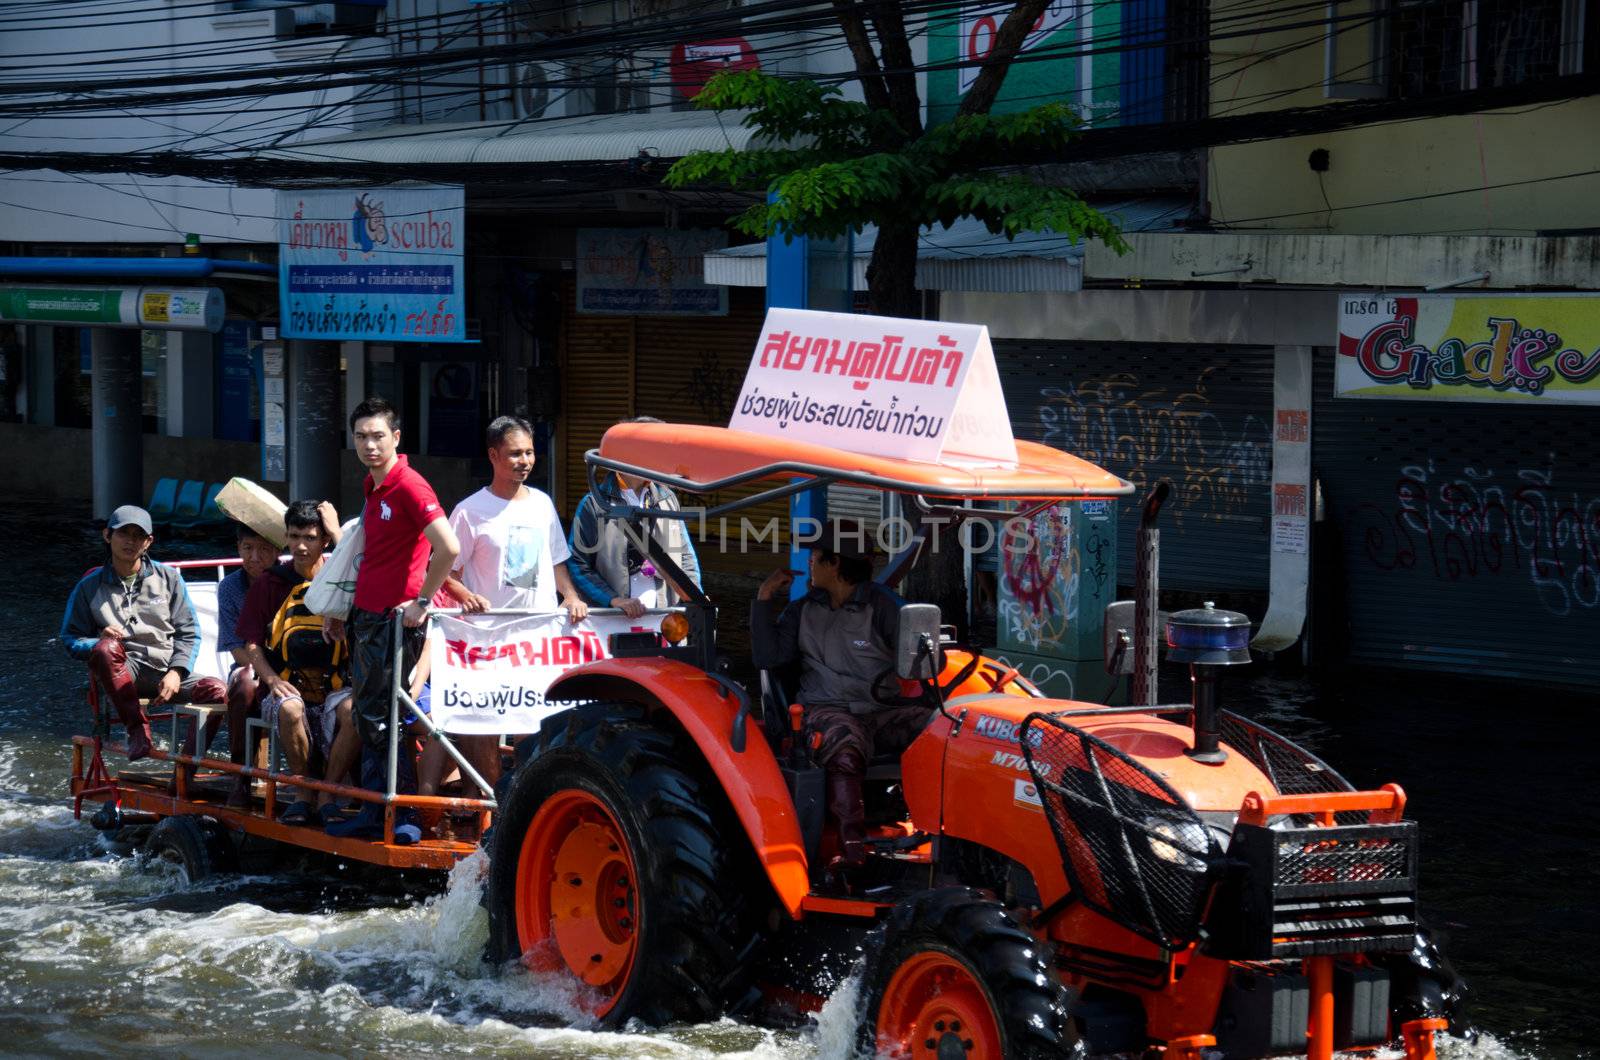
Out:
{"x": 1046, "y": 877}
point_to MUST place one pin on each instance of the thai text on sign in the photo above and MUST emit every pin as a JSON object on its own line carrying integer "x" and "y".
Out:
{"x": 883, "y": 386}
{"x": 490, "y": 672}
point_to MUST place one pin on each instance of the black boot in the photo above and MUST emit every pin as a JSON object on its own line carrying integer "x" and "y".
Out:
{"x": 849, "y": 810}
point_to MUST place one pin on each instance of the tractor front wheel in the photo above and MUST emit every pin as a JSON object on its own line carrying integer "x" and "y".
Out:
{"x": 612, "y": 869}
{"x": 954, "y": 975}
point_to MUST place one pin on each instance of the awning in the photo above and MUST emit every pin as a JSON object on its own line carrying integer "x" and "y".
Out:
{"x": 968, "y": 257}
{"x": 592, "y": 138}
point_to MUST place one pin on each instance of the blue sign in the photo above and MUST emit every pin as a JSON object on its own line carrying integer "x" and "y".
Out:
{"x": 373, "y": 263}
{"x": 236, "y": 378}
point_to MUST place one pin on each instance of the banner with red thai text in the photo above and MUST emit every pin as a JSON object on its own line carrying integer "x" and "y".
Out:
{"x": 490, "y": 672}
{"x": 883, "y": 386}
{"x": 1468, "y": 347}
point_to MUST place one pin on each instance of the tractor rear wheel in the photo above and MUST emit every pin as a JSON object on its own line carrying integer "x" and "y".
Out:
{"x": 198, "y": 845}
{"x": 612, "y": 865}
{"x": 955, "y": 975}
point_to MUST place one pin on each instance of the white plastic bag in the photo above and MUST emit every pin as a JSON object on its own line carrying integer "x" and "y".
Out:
{"x": 334, "y": 587}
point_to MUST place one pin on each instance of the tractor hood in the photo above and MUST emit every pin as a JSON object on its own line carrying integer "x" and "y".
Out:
{"x": 996, "y": 721}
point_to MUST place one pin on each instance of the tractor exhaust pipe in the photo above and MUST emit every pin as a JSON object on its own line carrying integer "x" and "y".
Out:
{"x": 1147, "y": 597}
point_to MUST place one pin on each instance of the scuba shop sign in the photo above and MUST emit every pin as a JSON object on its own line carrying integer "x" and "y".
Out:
{"x": 1539, "y": 348}
{"x": 489, "y": 673}
{"x": 922, "y": 390}
{"x": 373, "y": 263}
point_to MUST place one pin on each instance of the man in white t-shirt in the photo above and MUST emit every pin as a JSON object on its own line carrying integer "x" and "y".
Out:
{"x": 513, "y": 555}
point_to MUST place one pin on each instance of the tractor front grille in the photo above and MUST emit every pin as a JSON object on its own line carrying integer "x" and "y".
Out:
{"x": 1297, "y": 892}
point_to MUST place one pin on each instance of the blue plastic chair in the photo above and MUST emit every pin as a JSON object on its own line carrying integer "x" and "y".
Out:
{"x": 190, "y": 497}
{"x": 162, "y": 499}
{"x": 209, "y": 512}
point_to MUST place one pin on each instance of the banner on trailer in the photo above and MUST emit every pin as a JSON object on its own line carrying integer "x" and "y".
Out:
{"x": 1534, "y": 349}
{"x": 882, "y": 386}
{"x": 373, "y": 263}
{"x": 489, "y": 673}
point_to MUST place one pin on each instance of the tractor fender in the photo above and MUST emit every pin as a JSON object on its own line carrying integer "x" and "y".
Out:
{"x": 705, "y": 709}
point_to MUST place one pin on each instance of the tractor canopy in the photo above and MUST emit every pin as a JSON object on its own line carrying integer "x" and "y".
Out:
{"x": 704, "y": 459}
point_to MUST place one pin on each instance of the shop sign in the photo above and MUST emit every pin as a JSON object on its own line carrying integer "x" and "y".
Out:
{"x": 1070, "y": 54}
{"x": 153, "y": 308}
{"x": 883, "y": 386}
{"x": 373, "y": 263}
{"x": 693, "y": 64}
{"x": 648, "y": 272}
{"x": 1528, "y": 348}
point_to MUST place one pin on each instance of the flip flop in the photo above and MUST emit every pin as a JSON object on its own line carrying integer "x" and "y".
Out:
{"x": 299, "y": 812}
{"x": 329, "y": 812}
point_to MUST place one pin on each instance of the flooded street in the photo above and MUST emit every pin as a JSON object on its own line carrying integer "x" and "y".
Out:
{"x": 99, "y": 953}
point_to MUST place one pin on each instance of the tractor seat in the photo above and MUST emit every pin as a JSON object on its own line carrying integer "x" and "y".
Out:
{"x": 775, "y": 701}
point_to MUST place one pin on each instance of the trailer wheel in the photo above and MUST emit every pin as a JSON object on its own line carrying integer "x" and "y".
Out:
{"x": 613, "y": 865}
{"x": 954, "y": 975}
{"x": 198, "y": 845}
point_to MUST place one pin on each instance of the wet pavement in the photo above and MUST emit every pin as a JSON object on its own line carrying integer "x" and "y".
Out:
{"x": 100, "y": 952}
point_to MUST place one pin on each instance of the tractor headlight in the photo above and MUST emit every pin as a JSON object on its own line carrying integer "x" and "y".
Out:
{"x": 1219, "y": 823}
{"x": 1177, "y": 843}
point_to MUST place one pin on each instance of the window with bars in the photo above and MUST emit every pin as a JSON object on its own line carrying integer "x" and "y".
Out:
{"x": 1407, "y": 49}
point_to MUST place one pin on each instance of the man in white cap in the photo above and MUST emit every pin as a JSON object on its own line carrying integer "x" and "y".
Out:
{"x": 132, "y": 622}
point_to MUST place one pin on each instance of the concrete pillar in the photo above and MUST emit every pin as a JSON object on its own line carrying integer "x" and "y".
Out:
{"x": 316, "y": 437}
{"x": 40, "y": 378}
{"x": 191, "y": 384}
{"x": 118, "y": 439}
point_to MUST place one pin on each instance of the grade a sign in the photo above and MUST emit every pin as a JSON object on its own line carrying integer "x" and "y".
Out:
{"x": 373, "y": 263}
{"x": 490, "y": 672}
{"x": 1537, "y": 348}
{"x": 883, "y": 386}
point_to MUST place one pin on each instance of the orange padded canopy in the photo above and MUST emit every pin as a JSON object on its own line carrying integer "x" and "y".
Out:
{"x": 702, "y": 459}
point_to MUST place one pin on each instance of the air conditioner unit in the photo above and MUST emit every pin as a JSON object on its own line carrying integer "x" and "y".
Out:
{"x": 552, "y": 90}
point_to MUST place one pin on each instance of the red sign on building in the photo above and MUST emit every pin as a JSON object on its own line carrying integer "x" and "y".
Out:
{"x": 695, "y": 64}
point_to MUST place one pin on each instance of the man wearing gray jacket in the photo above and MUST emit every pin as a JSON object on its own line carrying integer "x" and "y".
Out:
{"x": 132, "y": 622}
{"x": 607, "y": 567}
{"x": 841, "y": 633}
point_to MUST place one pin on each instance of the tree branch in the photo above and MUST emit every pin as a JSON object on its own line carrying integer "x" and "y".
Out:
{"x": 901, "y": 75}
{"x": 867, "y": 70}
{"x": 1007, "y": 42}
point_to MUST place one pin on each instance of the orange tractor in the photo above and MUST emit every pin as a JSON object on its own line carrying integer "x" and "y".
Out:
{"x": 1046, "y": 877}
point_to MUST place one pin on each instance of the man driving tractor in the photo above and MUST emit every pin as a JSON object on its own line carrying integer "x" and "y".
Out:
{"x": 842, "y": 633}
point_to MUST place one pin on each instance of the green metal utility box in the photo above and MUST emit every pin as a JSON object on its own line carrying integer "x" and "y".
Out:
{"x": 1056, "y": 573}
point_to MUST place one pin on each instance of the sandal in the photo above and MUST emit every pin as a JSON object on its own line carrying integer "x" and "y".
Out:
{"x": 299, "y": 812}
{"x": 329, "y": 812}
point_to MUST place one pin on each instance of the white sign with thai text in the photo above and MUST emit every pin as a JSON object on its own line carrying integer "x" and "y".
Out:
{"x": 490, "y": 672}
{"x": 883, "y": 386}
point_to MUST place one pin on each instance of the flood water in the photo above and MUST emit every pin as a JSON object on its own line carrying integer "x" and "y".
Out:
{"x": 100, "y": 953}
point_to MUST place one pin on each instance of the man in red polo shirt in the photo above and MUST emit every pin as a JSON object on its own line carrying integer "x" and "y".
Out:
{"x": 403, "y": 523}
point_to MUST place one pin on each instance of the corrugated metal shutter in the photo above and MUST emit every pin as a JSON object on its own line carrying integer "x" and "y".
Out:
{"x": 1469, "y": 532}
{"x": 1199, "y": 415}
{"x": 597, "y": 390}
{"x": 690, "y": 370}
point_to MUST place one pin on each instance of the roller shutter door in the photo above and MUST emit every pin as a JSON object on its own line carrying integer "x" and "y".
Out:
{"x": 1469, "y": 533}
{"x": 597, "y": 391}
{"x": 1198, "y": 415}
{"x": 690, "y": 370}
